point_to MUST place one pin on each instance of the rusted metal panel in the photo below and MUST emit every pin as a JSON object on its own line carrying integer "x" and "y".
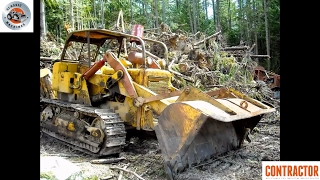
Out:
{"x": 190, "y": 132}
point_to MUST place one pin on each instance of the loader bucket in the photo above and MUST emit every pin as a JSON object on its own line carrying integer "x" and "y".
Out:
{"x": 191, "y": 131}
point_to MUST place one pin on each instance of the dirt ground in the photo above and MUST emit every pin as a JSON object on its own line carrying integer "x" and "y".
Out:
{"x": 143, "y": 157}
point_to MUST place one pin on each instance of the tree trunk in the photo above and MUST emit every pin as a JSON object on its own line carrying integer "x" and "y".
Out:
{"x": 267, "y": 31}
{"x": 77, "y": 16}
{"x": 190, "y": 18}
{"x": 131, "y": 12}
{"x": 94, "y": 9}
{"x": 163, "y": 11}
{"x": 71, "y": 15}
{"x": 248, "y": 21}
{"x": 102, "y": 13}
{"x": 198, "y": 14}
{"x": 206, "y": 8}
{"x": 143, "y": 9}
{"x": 43, "y": 28}
{"x": 213, "y": 14}
{"x": 229, "y": 14}
{"x": 94, "y": 13}
{"x": 240, "y": 19}
{"x": 194, "y": 10}
{"x": 218, "y": 15}
{"x": 255, "y": 27}
{"x": 156, "y": 14}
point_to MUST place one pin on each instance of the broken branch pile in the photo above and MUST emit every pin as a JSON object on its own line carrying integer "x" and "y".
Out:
{"x": 196, "y": 60}
{"x": 206, "y": 62}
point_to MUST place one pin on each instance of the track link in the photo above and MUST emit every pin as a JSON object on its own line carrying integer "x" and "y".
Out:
{"x": 114, "y": 129}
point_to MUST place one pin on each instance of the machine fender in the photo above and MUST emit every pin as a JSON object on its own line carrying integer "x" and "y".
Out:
{"x": 115, "y": 63}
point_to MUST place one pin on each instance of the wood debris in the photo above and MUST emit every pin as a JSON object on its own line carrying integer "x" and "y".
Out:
{"x": 204, "y": 62}
{"x": 106, "y": 161}
{"x": 128, "y": 171}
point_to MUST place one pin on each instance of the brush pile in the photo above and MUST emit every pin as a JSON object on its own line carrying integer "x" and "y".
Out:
{"x": 207, "y": 63}
{"x": 197, "y": 60}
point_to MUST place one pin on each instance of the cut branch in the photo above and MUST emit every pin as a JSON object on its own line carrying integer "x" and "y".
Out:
{"x": 106, "y": 161}
{"x": 260, "y": 56}
{"x": 179, "y": 74}
{"x": 195, "y": 34}
{"x": 252, "y": 47}
{"x": 209, "y": 37}
{"x": 121, "y": 173}
{"x": 252, "y": 56}
{"x": 125, "y": 170}
{"x": 234, "y": 48}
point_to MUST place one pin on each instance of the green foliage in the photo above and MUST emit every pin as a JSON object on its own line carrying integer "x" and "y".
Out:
{"x": 48, "y": 176}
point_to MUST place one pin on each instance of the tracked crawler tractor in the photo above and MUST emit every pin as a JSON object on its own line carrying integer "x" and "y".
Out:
{"x": 86, "y": 103}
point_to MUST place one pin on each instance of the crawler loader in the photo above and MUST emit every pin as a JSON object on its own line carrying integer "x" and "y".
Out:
{"x": 88, "y": 99}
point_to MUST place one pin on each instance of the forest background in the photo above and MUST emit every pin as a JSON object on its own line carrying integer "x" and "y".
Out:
{"x": 242, "y": 22}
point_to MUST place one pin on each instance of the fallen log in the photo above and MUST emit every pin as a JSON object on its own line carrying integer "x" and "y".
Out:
{"x": 106, "y": 161}
{"x": 252, "y": 56}
{"x": 235, "y": 48}
{"x": 260, "y": 56}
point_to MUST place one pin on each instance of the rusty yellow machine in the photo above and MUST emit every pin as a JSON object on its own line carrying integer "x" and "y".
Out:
{"x": 87, "y": 103}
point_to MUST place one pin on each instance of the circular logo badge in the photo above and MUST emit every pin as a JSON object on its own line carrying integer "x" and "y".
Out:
{"x": 16, "y": 15}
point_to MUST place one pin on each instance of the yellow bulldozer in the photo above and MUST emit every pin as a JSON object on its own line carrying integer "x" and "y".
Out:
{"x": 88, "y": 100}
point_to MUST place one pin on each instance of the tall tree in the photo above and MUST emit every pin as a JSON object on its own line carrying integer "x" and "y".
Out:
{"x": 94, "y": 8}
{"x": 194, "y": 14}
{"x": 190, "y": 18}
{"x": 131, "y": 12}
{"x": 156, "y": 13}
{"x": 163, "y": 11}
{"x": 218, "y": 15}
{"x": 255, "y": 27}
{"x": 213, "y": 13}
{"x": 71, "y": 14}
{"x": 229, "y": 14}
{"x": 240, "y": 24}
{"x": 205, "y": 8}
{"x": 43, "y": 28}
{"x": 102, "y": 14}
{"x": 248, "y": 22}
{"x": 267, "y": 31}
